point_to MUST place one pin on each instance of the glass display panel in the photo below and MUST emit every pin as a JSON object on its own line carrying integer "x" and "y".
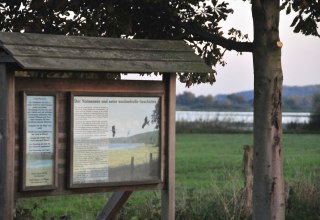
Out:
{"x": 115, "y": 139}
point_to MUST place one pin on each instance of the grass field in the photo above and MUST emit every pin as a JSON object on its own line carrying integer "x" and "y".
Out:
{"x": 219, "y": 157}
{"x": 208, "y": 176}
{"x": 141, "y": 155}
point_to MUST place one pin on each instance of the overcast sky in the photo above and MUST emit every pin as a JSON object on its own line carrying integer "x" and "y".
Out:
{"x": 300, "y": 58}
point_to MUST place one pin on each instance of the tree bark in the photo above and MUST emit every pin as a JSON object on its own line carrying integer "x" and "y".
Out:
{"x": 268, "y": 183}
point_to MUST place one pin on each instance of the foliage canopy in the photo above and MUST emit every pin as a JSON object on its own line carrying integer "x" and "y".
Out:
{"x": 197, "y": 22}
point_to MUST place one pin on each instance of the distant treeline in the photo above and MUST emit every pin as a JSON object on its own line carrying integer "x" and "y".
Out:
{"x": 188, "y": 101}
{"x": 234, "y": 102}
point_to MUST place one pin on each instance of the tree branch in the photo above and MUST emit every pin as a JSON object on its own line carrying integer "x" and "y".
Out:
{"x": 200, "y": 34}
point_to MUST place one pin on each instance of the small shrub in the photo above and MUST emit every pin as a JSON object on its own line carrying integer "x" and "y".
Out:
{"x": 217, "y": 202}
{"x": 295, "y": 127}
{"x": 314, "y": 123}
{"x": 303, "y": 202}
{"x": 143, "y": 205}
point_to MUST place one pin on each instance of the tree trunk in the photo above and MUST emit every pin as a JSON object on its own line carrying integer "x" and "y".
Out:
{"x": 268, "y": 183}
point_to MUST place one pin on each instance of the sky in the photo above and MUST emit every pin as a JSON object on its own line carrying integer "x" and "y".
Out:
{"x": 126, "y": 116}
{"x": 129, "y": 118}
{"x": 300, "y": 58}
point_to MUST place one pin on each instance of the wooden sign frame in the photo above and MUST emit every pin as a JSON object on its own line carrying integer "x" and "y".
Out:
{"x": 63, "y": 88}
{"x": 101, "y": 58}
{"x": 38, "y": 141}
{"x": 123, "y": 110}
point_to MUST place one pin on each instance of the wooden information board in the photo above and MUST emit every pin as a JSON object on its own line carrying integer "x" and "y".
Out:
{"x": 81, "y": 136}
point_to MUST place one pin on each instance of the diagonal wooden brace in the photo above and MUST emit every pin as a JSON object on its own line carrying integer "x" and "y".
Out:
{"x": 115, "y": 203}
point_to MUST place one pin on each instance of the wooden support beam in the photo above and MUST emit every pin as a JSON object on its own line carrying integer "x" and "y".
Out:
{"x": 168, "y": 193}
{"x": 3, "y": 138}
{"x": 114, "y": 205}
{"x": 6, "y": 143}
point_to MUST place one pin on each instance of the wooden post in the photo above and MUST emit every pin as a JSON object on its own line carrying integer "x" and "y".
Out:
{"x": 132, "y": 167}
{"x": 3, "y": 139}
{"x": 150, "y": 158}
{"x": 6, "y": 143}
{"x": 150, "y": 164}
{"x": 168, "y": 193}
{"x": 248, "y": 177}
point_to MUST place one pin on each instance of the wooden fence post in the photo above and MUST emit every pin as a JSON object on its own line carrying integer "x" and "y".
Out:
{"x": 132, "y": 167}
{"x": 150, "y": 158}
{"x": 248, "y": 178}
{"x": 150, "y": 164}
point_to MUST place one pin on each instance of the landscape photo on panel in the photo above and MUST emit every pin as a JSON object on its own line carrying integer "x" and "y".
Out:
{"x": 115, "y": 139}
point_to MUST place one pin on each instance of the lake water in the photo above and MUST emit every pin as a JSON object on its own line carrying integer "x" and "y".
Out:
{"x": 124, "y": 146}
{"x": 247, "y": 117}
{"x": 39, "y": 163}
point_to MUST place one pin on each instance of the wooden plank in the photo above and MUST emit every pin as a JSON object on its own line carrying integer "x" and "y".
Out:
{"x": 168, "y": 193}
{"x": 91, "y": 42}
{"x": 6, "y": 143}
{"x": 97, "y": 65}
{"x": 65, "y": 191}
{"x": 80, "y": 85}
{"x": 114, "y": 205}
{"x": 84, "y": 53}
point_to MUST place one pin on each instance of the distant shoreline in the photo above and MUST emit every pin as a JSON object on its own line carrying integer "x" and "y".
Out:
{"x": 237, "y": 116}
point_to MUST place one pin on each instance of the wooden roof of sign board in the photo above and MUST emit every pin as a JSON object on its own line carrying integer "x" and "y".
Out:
{"x": 98, "y": 54}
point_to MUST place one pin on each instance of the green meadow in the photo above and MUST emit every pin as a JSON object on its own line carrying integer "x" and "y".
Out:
{"x": 209, "y": 183}
{"x": 203, "y": 158}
